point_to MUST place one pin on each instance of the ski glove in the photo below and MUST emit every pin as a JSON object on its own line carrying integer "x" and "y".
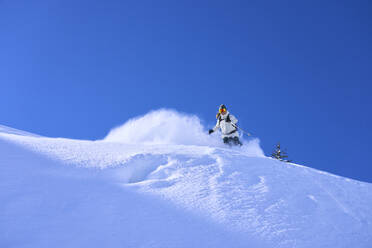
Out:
{"x": 211, "y": 131}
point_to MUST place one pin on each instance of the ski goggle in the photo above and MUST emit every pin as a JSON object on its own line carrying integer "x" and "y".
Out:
{"x": 223, "y": 110}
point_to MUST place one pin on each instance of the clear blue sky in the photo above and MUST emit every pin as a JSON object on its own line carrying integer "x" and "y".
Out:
{"x": 298, "y": 72}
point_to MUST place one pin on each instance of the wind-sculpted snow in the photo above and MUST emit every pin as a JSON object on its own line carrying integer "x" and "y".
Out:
{"x": 9, "y": 130}
{"x": 171, "y": 192}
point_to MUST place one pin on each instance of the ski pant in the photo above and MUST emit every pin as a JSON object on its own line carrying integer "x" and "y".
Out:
{"x": 232, "y": 141}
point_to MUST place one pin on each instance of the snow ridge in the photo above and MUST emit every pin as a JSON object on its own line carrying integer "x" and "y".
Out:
{"x": 139, "y": 188}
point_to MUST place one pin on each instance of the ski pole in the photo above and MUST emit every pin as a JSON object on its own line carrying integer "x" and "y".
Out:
{"x": 242, "y": 130}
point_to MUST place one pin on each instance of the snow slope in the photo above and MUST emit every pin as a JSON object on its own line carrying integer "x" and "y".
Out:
{"x": 157, "y": 181}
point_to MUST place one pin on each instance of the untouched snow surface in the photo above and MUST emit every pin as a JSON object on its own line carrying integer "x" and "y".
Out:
{"x": 160, "y": 181}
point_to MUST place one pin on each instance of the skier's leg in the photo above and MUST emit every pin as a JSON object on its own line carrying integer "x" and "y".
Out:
{"x": 231, "y": 141}
{"x": 237, "y": 141}
{"x": 227, "y": 140}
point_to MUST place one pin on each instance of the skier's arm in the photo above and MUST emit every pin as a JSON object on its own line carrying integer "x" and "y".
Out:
{"x": 233, "y": 119}
{"x": 215, "y": 127}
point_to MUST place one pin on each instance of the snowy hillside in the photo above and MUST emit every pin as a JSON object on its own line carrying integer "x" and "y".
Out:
{"x": 161, "y": 181}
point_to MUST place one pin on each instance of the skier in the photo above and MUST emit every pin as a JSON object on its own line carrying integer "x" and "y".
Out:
{"x": 227, "y": 123}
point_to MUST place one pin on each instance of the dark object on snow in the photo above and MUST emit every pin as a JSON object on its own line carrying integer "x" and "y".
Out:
{"x": 210, "y": 131}
{"x": 280, "y": 154}
{"x": 232, "y": 141}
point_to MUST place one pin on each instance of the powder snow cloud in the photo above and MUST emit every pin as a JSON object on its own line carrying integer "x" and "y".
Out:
{"x": 167, "y": 126}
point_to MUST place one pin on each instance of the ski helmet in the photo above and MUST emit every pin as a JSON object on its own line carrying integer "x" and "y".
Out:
{"x": 222, "y": 108}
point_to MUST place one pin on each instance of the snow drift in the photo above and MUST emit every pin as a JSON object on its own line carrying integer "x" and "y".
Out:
{"x": 151, "y": 183}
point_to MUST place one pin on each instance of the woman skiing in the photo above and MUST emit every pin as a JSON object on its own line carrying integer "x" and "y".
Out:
{"x": 227, "y": 123}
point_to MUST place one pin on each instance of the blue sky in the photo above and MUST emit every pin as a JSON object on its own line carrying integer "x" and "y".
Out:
{"x": 298, "y": 72}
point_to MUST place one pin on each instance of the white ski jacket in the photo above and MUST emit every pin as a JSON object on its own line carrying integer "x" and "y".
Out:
{"x": 227, "y": 128}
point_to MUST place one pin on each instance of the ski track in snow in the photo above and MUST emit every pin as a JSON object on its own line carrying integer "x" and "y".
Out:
{"x": 238, "y": 194}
